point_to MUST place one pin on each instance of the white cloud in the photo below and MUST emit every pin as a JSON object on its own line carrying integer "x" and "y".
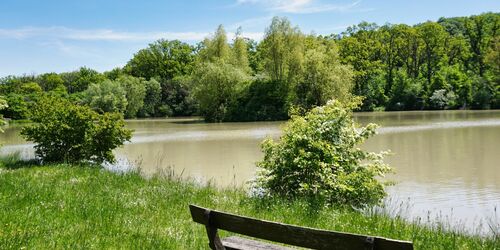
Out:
{"x": 65, "y": 33}
{"x": 300, "y": 6}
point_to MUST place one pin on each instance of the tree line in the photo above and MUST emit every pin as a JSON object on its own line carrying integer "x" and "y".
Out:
{"x": 453, "y": 63}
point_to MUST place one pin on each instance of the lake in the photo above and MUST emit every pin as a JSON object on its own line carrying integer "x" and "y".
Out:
{"x": 447, "y": 162}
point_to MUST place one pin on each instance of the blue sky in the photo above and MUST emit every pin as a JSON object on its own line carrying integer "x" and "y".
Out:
{"x": 61, "y": 35}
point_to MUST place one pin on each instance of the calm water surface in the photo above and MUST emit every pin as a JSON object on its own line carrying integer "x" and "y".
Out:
{"x": 447, "y": 163}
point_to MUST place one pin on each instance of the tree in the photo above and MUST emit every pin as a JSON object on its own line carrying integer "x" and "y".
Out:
{"x": 50, "y": 81}
{"x": 30, "y": 88}
{"x": 240, "y": 52}
{"x": 482, "y": 93}
{"x": 282, "y": 51}
{"x": 478, "y": 30}
{"x": 492, "y": 60}
{"x": 318, "y": 158}
{"x": 324, "y": 77}
{"x": 135, "y": 91}
{"x": 66, "y": 132}
{"x": 216, "y": 48}
{"x": 177, "y": 98}
{"x": 405, "y": 93}
{"x": 433, "y": 37}
{"x": 374, "y": 96}
{"x": 78, "y": 81}
{"x": 18, "y": 107}
{"x": 152, "y": 99}
{"x": 361, "y": 48}
{"x": 164, "y": 59}
{"x": 261, "y": 100}
{"x": 216, "y": 86}
{"x": 108, "y": 96}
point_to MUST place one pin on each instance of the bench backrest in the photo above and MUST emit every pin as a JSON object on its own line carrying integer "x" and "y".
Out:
{"x": 288, "y": 234}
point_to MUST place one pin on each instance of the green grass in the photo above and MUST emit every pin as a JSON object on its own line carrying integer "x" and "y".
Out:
{"x": 61, "y": 206}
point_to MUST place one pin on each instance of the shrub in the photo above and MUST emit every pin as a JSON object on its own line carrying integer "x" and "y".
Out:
{"x": 318, "y": 158}
{"x": 66, "y": 132}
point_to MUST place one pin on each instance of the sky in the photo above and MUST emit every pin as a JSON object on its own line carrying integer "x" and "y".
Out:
{"x": 62, "y": 35}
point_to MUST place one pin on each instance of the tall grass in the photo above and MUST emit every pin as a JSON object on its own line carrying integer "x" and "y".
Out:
{"x": 63, "y": 206}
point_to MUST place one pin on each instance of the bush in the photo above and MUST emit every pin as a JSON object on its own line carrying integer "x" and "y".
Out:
{"x": 66, "y": 132}
{"x": 318, "y": 158}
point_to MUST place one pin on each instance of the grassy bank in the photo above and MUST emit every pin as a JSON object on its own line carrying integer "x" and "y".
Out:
{"x": 62, "y": 206}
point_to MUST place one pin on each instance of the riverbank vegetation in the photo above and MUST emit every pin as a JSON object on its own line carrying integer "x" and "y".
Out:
{"x": 449, "y": 64}
{"x": 60, "y": 206}
{"x": 66, "y": 132}
{"x": 318, "y": 159}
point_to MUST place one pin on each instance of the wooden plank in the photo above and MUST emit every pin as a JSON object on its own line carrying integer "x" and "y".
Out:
{"x": 294, "y": 235}
{"x": 238, "y": 243}
{"x": 383, "y": 243}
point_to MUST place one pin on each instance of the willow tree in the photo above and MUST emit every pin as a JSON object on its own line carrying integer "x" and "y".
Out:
{"x": 324, "y": 77}
{"x": 216, "y": 48}
{"x": 282, "y": 50}
{"x": 216, "y": 86}
{"x": 240, "y": 52}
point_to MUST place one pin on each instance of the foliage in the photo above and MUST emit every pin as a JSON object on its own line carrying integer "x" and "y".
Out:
{"x": 18, "y": 106}
{"x": 261, "y": 100}
{"x": 405, "y": 93}
{"x": 216, "y": 48}
{"x": 176, "y": 97}
{"x": 50, "y": 81}
{"x": 164, "y": 59}
{"x": 282, "y": 51}
{"x": 217, "y": 85}
{"x": 135, "y": 92}
{"x": 482, "y": 93}
{"x": 318, "y": 158}
{"x": 108, "y": 96}
{"x": 152, "y": 99}
{"x": 240, "y": 52}
{"x": 324, "y": 77}
{"x": 442, "y": 99}
{"x": 78, "y": 81}
{"x": 66, "y": 132}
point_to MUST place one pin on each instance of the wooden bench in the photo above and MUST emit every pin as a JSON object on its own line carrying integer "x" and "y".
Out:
{"x": 282, "y": 233}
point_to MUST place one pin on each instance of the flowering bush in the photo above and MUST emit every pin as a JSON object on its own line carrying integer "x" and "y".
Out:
{"x": 318, "y": 158}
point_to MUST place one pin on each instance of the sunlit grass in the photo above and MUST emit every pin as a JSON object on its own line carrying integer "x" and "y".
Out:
{"x": 62, "y": 206}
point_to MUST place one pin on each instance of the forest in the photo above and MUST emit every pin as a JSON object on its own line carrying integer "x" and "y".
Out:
{"x": 453, "y": 63}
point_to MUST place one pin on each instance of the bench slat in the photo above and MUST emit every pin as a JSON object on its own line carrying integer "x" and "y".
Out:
{"x": 293, "y": 235}
{"x": 238, "y": 243}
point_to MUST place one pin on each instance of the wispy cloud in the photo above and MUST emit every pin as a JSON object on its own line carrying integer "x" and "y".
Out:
{"x": 72, "y": 50}
{"x": 65, "y": 33}
{"x": 300, "y": 6}
{"x": 254, "y": 22}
